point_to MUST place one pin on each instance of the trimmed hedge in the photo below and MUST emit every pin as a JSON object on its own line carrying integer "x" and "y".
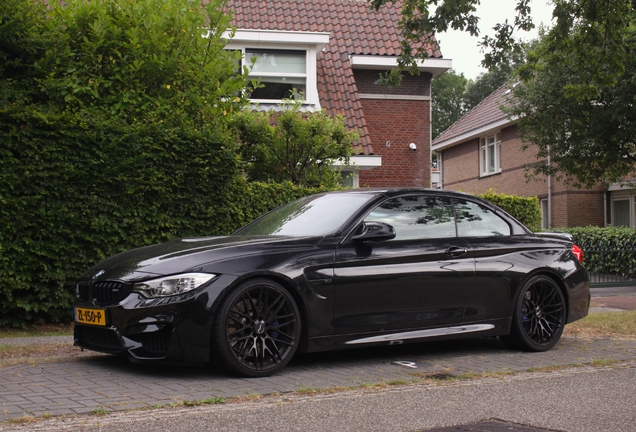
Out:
{"x": 525, "y": 209}
{"x": 610, "y": 250}
{"x": 73, "y": 192}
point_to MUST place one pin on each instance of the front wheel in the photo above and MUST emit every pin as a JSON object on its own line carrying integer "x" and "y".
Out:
{"x": 539, "y": 316}
{"x": 257, "y": 328}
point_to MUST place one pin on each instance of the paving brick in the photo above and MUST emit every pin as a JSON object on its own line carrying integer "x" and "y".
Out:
{"x": 110, "y": 383}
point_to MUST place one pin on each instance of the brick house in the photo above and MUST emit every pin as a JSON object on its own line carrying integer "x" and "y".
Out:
{"x": 333, "y": 52}
{"x": 483, "y": 151}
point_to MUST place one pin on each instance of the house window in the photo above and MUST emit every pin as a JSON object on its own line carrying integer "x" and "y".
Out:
{"x": 436, "y": 170}
{"x": 285, "y": 62}
{"x": 545, "y": 217}
{"x": 490, "y": 154}
{"x": 282, "y": 73}
{"x": 620, "y": 212}
{"x": 350, "y": 179}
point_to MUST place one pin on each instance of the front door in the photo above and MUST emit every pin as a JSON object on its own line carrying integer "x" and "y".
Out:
{"x": 417, "y": 280}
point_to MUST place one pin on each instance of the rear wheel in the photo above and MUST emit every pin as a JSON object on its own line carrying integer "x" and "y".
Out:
{"x": 257, "y": 328}
{"x": 539, "y": 316}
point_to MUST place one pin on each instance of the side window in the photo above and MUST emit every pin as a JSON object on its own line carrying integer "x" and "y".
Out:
{"x": 416, "y": 217}
{"x": 475, "y": 220}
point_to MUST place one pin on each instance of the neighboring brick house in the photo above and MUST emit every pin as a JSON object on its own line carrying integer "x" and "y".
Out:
{"x": 483, "y": 151}
{"x": 333, "y": 52}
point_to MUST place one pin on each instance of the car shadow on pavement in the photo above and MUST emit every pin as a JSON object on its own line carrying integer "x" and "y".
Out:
{"x": 420, "y": 353}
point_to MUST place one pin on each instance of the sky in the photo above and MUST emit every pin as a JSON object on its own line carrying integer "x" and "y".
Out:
{"x": 463, "y": 49}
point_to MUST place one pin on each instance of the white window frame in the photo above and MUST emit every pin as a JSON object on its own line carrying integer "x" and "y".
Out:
{"x": 246, "y": 59}
{"x": 310, "y": 42}
{"x": 489, "y": 148}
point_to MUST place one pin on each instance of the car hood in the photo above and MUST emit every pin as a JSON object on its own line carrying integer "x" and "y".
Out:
{"x": 191, "y": 254}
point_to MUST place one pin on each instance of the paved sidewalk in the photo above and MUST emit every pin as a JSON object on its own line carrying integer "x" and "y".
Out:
{"x": 615, "y": 298}
{"x": 102, "y": 382}
{"x": 111, "y": 383}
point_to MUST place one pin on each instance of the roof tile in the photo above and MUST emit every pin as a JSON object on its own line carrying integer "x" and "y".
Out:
{"x": 486, "y": 112}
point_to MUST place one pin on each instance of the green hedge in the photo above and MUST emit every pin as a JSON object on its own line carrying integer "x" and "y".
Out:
{"x": 610, "y": 250}
{"x": 74, "y": 191}
{"x": 525, "y": 209}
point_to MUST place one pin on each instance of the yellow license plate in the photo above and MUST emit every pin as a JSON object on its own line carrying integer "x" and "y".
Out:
{"x": 90, "y": 316}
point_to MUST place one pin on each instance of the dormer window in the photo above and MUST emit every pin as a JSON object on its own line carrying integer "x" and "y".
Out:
{"x": 283, "y": 73}
{"x": 284, "y": 61}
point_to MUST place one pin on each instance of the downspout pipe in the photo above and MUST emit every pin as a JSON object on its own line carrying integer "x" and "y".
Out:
{"x": 549, "y": 193}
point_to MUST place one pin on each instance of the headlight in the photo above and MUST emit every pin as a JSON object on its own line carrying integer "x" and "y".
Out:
{"x": 171, "y": 285}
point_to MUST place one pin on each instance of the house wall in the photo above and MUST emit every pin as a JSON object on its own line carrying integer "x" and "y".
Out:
{"x": 570, "y": 206}
{"x": 395, "y": 118}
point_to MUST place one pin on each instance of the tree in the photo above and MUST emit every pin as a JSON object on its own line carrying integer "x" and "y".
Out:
{"x": 498, "y": 75}
{"x": 113, "y": 132}
{"x": 448, "y": 102}
{"x": 290, "y": 145}
{"x": 575, "y": 101}
{"x": 163, "y": 59}
{"x": 422, "y": 19}
{"x": 24, "y": 40}
{"x": 454, "y": 95}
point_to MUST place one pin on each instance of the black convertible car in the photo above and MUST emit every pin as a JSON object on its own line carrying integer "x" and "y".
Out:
{"x": 336, "y": 270}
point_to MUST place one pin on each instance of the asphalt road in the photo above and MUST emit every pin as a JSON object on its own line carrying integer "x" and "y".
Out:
{"x": 585, "y": 399}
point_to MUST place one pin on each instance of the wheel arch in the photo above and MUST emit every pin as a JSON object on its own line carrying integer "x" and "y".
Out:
{"x": 289, "y": 286}
{"x": 556, "y": 278}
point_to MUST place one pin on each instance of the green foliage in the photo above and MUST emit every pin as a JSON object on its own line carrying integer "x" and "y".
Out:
{"x": 448, "y": 103}
{"x": 162, "y": 60}
{"x": 454, "y": 95}
{"x": 525, "y": 209}
{"x": 113, "y": 124}
{"x": 422, "y": 19}
{"x": 74, "y": 190}
{"x": 113, "y": 136}
{"x": 609, "y": 250}
{"x": 24, "y": 38}
{"x": 575, "y": 103}
{"x": 290, "y": 145}
{"x": 498, "y": 75}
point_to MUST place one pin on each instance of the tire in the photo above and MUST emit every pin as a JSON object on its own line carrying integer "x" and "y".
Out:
{"x": 539, "y": 316}
{"x": 257, "y": 329}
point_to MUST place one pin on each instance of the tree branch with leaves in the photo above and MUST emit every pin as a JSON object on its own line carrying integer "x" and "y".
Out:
{"x": 288, "y": 144}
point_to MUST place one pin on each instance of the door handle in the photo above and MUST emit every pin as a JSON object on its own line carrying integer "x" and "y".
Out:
{"x": 456, "y": 251}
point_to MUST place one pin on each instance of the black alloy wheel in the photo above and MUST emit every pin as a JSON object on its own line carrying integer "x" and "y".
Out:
{"x": 257, "y": 329}
{"x": 539, "y": 316}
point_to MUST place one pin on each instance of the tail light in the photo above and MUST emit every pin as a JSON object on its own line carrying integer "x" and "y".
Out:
{"x": 578, "y": 253}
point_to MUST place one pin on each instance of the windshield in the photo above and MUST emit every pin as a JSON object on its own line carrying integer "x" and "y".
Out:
{"x": 315, "y": 215}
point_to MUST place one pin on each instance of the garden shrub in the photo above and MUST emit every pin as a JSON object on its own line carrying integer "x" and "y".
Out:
{"x": 113, "y": 124}
{"x": 609, "y": 250}
{"x": 74, "y": 190}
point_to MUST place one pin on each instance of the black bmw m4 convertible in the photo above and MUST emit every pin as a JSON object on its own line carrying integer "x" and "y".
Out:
{"x": 361, "y": 267}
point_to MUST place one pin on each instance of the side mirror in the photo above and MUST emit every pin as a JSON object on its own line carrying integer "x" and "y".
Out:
{"x": 375, "y": 231}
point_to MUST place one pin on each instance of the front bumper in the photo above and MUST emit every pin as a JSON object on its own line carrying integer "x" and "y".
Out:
{"x": 176, "y": 328}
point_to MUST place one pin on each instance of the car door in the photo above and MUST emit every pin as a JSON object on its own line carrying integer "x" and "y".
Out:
{"x": 495, "y": 252}
{"x": 416, "y": 280}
